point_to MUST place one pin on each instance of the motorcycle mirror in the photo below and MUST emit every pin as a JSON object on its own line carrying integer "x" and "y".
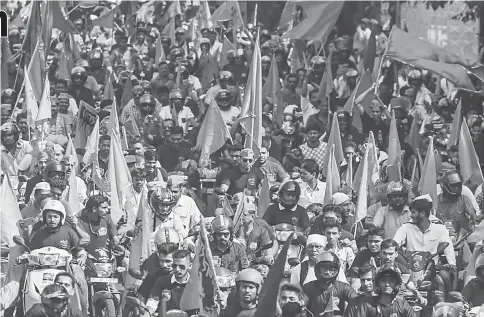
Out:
{"x": 441, "y": 247}
{"x": 293, "y": 261}
{"x": 120, "y": 269}
{"x": 19, "y": 240}
{"x": 130, "y": 233}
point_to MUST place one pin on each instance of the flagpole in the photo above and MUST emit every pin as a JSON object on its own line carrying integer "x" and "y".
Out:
{"x": 18, "y": 99}
{"x": 18, "y": 70}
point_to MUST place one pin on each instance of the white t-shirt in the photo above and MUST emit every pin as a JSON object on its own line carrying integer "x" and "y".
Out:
{"x": 230, "y": 115}
{"x": 183, "y": 116}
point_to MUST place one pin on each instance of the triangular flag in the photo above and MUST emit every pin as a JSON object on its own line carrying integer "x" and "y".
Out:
{"x": 127, "y": 93}
{"x": 169, "y": 30}
{"x": 204, "y": 17}
{"x": 428, "y": 181}
{"x": 131, "y": 126}
{"x": 71, "y": 152}
{"x": 414, "y": 139}
{"x": 332, "y": 179}
{"x": 64, "y": 67}
{"x": 272, "y": 89}
{"x": 30, "y": 101}
{"x": 349, "y": 172}
{"x": 270, "y": 289}
{"x": 73, "y": 195}
{"x": 45, "y": 112}
{"x": 91, "y": 156}
{"x": 468, "y": 160}
{"x": 54, "y": 18}
{"x": 36, "y": 70}
{"x": 106, "y": 20}
{"x": 159, "y": 52}
{"x": 33, "y": 31}
{"x": 394, "y": 149}
{"x": 251, "y": 112}
{"x": 113, "y": 123}
{"x": 456, "y": 126}
{"x": 370, "y": 53}
{"x": 362, "y": 202}
{"x": 227, "y": 46}
{"x": 264, "y": 198}
{"x": 108, "y": 93}
{"x": 326, "y": 86}
{"x": 9, "y": 213}
{"x": 213, "y": 133}
{"x": 5, "y": 54}
{"x": 365, "y": 83}
{"x": 209, "y": 70}
{"x": 334, "y": 139}
{"x": 118, "y": 176}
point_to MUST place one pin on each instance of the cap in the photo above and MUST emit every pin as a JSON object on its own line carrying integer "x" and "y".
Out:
{"x": 176, "y": 180}
{"x": 42, "y": 186}
{"x": 317, "y": 239}
{"x": 351, "y": 73}
{"x": 180, "y": 30}
{"x": 152, "y": 185}
{"x": 340, "y": 198}
{"x": 54, "y": 205}
{"x": 265, "y": 58}
{"x": 247, "y": 153}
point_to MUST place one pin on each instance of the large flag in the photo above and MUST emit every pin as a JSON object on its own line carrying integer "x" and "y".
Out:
{"x": 410, "y": 50}
{"x": 414, "y": 139}
{"x": 428, "y": 180}
{"x": 213, "y": 133}
{"x": 159, "y": 52}
{"x": 91, "y": 156}
{"x": 272, "y": 89}
{"x": 127, "y": 93}
{"x": 204, "y": 17}
{"x": 45, "y": 112}
{"x": 169, "y": 30}
{"x": 201, "y": 289}
{"x": 5, "y": 54}
{"x": 468, "y": 160}
{"x": 30, "y": 101}
{"x": 227, "y": 46}
{"x": 394, "y": 149}
{"x": 270, "y": 289}
{"x": 362, "y": 202}
{"x": 64, "y": 72}
{"x": 334, "y": 139}
{"x": 119, "y": 178}
{"x": 229, "y": 11}
{"x": 146, "y": 11}
{"x": 251, "y": 113}
{"x": 332, "y": 178}
{"x": 456, "y": 124}
{"x": 320, "y": 19}
{"x": 113, "y": 123}
{"x": 54, "y": 18}
{"x": 326, "y": 86}
{"x": 73, "y": 195}
{"x": 264, "y": 198}
{"x": 9, "y": 213}
{"x": 36, "y": 70}
{"x": 370, "y": 53}
{"x": 106, "y": 20}
{"x": 287, "y": 14}
{"x": 131, "y": 126}
{"x": 33, "y": 34}
{"x": 363, "y": 85}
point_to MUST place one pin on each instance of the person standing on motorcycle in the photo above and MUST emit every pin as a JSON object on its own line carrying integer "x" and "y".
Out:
{"x": 304, "y": 272}
{"x": 54, "y": 303}
{"x": 474, "y": 289}
{"x": 327, "y": 288}
{"x": 174, "y": 283}
{"x": 162, "y": 202}
{"x": 397, "y": 213}
{"x": 257, "y": 236}
{"x": 387, "y": 286}
{"x": 227, "y": 252}
{"x": 454, "y": 208}
{"x": 287, "y": 210}
{"x": 332, "y": 232}
{"x": 56, "y": 233}
{"x": 424, "y": 234}
{"x": 248, "y": 287}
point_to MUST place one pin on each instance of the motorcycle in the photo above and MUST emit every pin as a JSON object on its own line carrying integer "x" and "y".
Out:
{"x": 104, "y": 283}
{"x": 43, "y": 265}
{"x": 282, "y": 232}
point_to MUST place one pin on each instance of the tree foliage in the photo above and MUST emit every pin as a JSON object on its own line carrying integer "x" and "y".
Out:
{"x": 470, "y": 12}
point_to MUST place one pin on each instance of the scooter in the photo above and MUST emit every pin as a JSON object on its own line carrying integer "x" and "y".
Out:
{"x": 42, "y": 267}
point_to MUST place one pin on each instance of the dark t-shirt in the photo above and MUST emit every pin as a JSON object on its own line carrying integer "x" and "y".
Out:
{"x": 238, "y": 181}
{"x": 101, "y": 234}
{"x": 298, "y": 217}
{"x": 64, "y": 238}
{"x": 170, "y": 157}
{"x": 176, "y": 290}
{"x": 148, "y": 282}
{"x": 37, "y": 310}
{"x": 380, "y": 130}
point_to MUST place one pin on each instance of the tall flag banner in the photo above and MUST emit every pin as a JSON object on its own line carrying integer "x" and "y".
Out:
{"x": 36, "y": 70}
{"x": 33, "y": 34}
{"x": 227, "y": 46}
{"x": 251, "y": 113}
{"x": 118, "y": 176}
{"x": 272, "y": 89}
{"x": 456, "y": 126}
{"x": 64, "y": 72}
{"x": 127, "y": 93}
{"x": 159, "y": 52}
{"x": 201, "y": 289}
{"x": 370, "y": 53}
{"x": 108, "y": 93}
{"x": 106, "y": 21}
{"x": 9, "y": 213}
{"x": 229, "y": 11}
{"x": 73, "y": 195}
{"x": 332, "y": 178}
{"x": 334, "y": 139}
{"x": 91, "y": 156}
{"x": 45, "y": 109}
{"x": 169, "y": 30}
{"x": 321, "y": 16}
{"x": 213, "y": 133}
{"x": 362, "y": 202}
{"x": 30, "y": 101}
{"x": 54, "y": 18}
{"x": 394, "y": 149}
{"x": 113, "y": 123}
{"x": 264, "y": 198}
{"x": 204, "y": 17}
{"x": 428, "y": 181}
{"x": 287, "y": 14}
{"x": 5, "y": 54}
{"x": 270, "y": 288}
{"x": 365, "y": 83}
{"x": 326, "y": 86}
{"x": 470, "y": 168}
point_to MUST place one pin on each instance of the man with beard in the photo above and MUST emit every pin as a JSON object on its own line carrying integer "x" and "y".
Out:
{"x": 103, "y": 155}
{"x": 348, "y": 132}
{"x": 388, "y": 280}
{"x": 374, "y": 122}
{"x": 304, "y": 272}
{"x": 174, "y": 149}
{"x": 77, "y": 89}
{"x": 23, "y": 126}
{"x": 53, "y": 169}
{"x": 181, "y": 114}
{"x": 272, "y": 169}
{"x": 248, "y": 287}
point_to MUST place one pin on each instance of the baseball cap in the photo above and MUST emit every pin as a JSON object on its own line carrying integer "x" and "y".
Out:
{"x": 247, "y": 153}
{"x": 42, "y": 186}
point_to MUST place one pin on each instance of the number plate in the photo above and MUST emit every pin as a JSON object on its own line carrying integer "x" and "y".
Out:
{"x": 104, "y": 280}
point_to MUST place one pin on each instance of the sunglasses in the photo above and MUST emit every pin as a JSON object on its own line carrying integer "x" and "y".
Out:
{"x": 138, "y": 95}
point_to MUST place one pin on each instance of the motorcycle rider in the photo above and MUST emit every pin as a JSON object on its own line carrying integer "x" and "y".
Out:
{"x": 248, "y": 287}
{"x": 304, "y": 272}
{"x": 226, "y": 103}
{"x": 162, "y": 202}
{"x": 287, "y": 210}
{"x": 387, "y": 286}
{"x": 227, "y": 252}
{"x": 424, "y": 234}
{"x": 185, "y": 206}
{"x": 52, "y": 170}
{"x": 327, "y": 288}
{"x": 397, "y": 213}
{"x": 174, "y": 283}
{"x": 332, "y": 231}
{"x": 13, "y": 150}
{"x": 54, "y": 303}
{"x": 475, "y": 288}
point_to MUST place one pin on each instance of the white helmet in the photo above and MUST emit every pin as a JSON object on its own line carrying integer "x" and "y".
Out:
{"x": 54, "y": 205}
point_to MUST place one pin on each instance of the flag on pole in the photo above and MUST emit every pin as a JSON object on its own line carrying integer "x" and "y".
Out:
{"x": 9, "y": 213}
{"x": 36, "y": 70}
{"x": 91, "y": 156}
{"x": 113, "y": 123}
{"x": 106, "y": 21}
{"x": 45, "y": 112}
{"x": 272, "y": 89}
{"x": 394, "y": 149}
{"x": 226, "y": 47}
{"x": 30, "y": 101}
{"x": 5, "y": 54}
{"x": 332, "y": 179}
{"x": 334, "y": 139}
{"x": 428, "y": 181}
{"x": 456, "y": 126}
{"x": 73, "y": 195}
{"x": 264, "y": 198}
{"x": 362, "y": 202}
{"x": 363, "y": 85}
{"x": 470, "y": 168}
{"x": 204, "y": 17}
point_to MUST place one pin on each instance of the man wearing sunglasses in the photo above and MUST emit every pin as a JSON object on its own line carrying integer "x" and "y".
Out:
{"x": 52, "y": 170}
{"x": 243, "y": 176}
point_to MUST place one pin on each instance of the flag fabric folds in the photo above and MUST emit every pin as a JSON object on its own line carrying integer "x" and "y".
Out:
{"x": 106, "y": 21}
{"x": 5, "y": 56}
{"x": 320, "y": 19}
{"x": 334, "y": 139}
{"x": 264, "y": 198}
{"x": 456, "y": 126}
{"x": 469, "y": 162}
{"x": 428, "y": 180}
{"x": 9, "y": 213}
{"x": 332, "y": 178}
{"x": 30, "y": 101}
{"x": 272, "y": 89}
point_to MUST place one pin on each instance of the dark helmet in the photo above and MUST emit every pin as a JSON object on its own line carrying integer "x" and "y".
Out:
{"x": 397, "y": 194}
{"x": 227, "y": 77}
{"x": 55, "y": 299}
{"x": 8, "y": 129}
{"x": 327, "y": 267}
{"x": 451, "y": 184}
{"x": 222, "y": 223}
{"x": 54, "y": 168}
{"x": 9, "y": 93}
{"x": 393, "y": 272}
{"x": 146, "y": 86}
{"x": 223, "y": 99}
{"x": 147, "y": 99}
{"x": 343, "y": 115}
{"x": 80, "y": 72}
{"x": 289, "y": 194}
{"x": 162, "y": 201}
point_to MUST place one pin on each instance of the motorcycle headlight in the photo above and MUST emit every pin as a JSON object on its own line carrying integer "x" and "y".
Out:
{"x": 45, "y": 259}
{"x": 103, "y": 269}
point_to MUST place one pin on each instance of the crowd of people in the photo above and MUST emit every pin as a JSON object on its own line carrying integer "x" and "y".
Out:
{"x": 403, "y": 250}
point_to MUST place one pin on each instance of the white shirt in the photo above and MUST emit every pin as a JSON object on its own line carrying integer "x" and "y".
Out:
{"x": 183, "y": 116}
{"x": 188, "y": 212}
{"x": 172, "y": 221}
{"x": 230, "y": 115}
{"x": 296, "y": 275}
{"x": 310, "y": 196}
{"x": 307, "y": 109}
{"x": 416, "y": 240}
{"x": 467, "y": 192}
